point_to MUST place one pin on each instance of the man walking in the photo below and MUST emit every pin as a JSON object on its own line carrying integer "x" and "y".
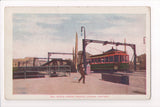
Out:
{"x": 81, "y": 71}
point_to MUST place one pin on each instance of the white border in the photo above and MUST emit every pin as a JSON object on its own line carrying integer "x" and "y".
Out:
{"x": 9, "y": 11}
{"x": 155, "y": 26}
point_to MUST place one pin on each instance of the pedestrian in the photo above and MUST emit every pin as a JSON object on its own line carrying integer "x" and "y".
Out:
{"x": 81, "y": 71}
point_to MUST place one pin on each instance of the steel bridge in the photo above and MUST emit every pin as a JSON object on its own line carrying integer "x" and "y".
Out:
{"x": 39, "y": 71}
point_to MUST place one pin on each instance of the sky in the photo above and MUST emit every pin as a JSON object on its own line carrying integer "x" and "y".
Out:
{"x": 34, "y": 35}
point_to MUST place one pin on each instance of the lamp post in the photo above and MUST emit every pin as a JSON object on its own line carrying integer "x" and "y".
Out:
{"x": 84, "y": 47}
{"x": 82, "y": 27}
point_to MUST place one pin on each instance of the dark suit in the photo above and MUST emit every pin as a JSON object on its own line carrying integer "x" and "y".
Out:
{"x": 81, "y": 71}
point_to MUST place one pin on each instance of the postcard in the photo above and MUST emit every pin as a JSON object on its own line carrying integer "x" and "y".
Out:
{"x": 77, "y": 52}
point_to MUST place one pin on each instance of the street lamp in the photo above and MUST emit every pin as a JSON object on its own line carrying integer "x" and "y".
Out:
{"x": 84, "y": 47}
{"x": 83, "y": 28}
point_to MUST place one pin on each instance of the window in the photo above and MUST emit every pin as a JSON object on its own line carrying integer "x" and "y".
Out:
{"x": 116, "y": 58}
{"x": 95, "y": 60}
{"x": 127, "y": 58}
{"x": 121, "y": 58}
{"x": 99, "y": 59}
{"x": 106, "y": 59}
{"x": 111, "y": 59}
{"x": 92, "y": 60}
{"x": 102, "y": 59}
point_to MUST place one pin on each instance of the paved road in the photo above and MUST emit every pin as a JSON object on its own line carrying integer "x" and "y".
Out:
{"x": 70, "y": 85}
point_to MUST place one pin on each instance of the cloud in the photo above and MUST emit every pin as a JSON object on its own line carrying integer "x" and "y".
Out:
{"x": 84, "y": 22}
{"x": 40, "y": 18}
{"x": 131, "y": 27}
{"x": 34, "y": 35}
{"x": 38, "y": 34}
{"x": 31, "y": 25}
{"x": 39, "y": 47}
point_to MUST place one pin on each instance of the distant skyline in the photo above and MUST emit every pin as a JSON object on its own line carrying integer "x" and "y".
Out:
{"x": 34, "y": 35}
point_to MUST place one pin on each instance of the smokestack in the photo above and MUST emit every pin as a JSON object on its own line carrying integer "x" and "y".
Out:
{"x": 73, "y": 57}
{"x": 76, "y": 50}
